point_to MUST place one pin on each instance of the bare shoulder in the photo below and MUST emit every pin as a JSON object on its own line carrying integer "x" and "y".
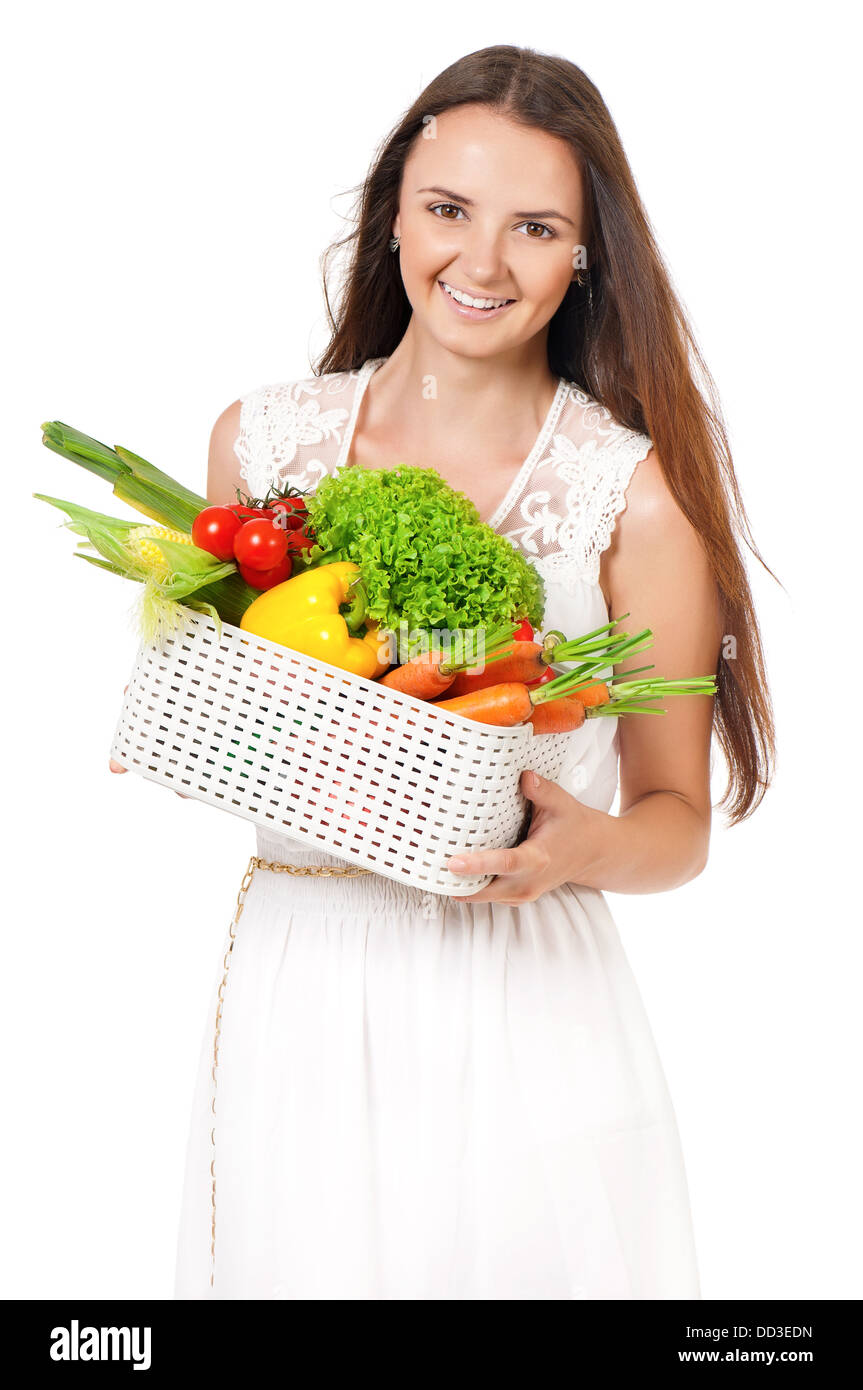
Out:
{"x": 223, "y": 465}
{"x": 652, "y": 532}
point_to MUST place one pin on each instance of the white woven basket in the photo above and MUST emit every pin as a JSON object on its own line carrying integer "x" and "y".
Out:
{"x": 311, "y": 751}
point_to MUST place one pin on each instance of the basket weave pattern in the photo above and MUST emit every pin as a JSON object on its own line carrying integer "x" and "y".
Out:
{"x": 314, "y": 752}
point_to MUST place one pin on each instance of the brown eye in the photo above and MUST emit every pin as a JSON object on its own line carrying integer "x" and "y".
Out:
{"x": 443, "y": 209}
{"x": 545, "y": 233}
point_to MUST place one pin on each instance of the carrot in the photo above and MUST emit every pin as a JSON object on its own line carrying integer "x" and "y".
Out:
{"x": 505, "y": 704}
{"x": 422, "y": 677}
{"x": 428, "y": 675}
{"x": 530, "y": 662}
{"x": 521, "y": 661}
{"x": 558, "y": 716}
{"x": 592, "y": 695}
{"x": 512, "y": 702}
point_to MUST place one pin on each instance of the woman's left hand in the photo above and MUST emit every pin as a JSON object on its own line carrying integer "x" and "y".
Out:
{"x": 562, "y": 846}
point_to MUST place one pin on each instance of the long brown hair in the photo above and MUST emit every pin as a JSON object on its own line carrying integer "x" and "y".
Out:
{"x": 623, "y": 336}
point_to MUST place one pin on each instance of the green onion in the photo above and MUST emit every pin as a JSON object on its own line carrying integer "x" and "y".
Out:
{"x": 136, "y": 482}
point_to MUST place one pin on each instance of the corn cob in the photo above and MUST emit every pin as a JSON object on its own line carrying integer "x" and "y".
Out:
{"x": 142, "y": 541}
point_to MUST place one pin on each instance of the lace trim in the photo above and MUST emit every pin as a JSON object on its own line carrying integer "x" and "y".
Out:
{"x": 365, "y": 371}
{"x": 526, "y": 471}
{"x": 563, "y": 524}
{"x": 275, "y": 422}
{"x": 567, "y": 523}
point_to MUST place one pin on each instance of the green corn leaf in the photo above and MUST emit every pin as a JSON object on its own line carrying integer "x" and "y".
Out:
{"x": 209, "y": 608}
{"x": 135, "y": 481}
{"x": 160, "y": 504}
{"x": 84, "y": 518}
{"x": 83, "y": 449}
{"x": 231, "y": 596}
{"x": 149, "y": 473}
{"x": 102, "y": 564}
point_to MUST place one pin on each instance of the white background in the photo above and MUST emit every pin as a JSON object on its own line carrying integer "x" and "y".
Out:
{"x": 176, "y": 171}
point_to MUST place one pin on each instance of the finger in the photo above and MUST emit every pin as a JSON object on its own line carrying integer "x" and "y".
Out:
{"x": 498, "y": 891}
{"x": 490, "y": 861}
{"x": 112, "y": 762}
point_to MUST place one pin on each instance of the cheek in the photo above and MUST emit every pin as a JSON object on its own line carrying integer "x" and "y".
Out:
{"x": 544, "y": 277}
{"x": 423, "y": 259}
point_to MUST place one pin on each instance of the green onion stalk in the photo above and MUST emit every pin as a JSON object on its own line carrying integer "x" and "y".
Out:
{"x": 609, "y": 652}
{"x": 191, "y": 577}
{"x": 626, "y": 696}
{"x": 135, "y": 481}
{"x": 557, "y": 648}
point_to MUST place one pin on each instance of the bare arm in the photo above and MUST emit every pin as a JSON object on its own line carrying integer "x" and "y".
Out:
{"x": 223, "y": 466}
{"x": 657, "y": 571}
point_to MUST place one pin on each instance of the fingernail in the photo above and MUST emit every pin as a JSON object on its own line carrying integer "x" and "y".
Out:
{"x": 457, "y": 861}
{"x": 532, "y": 781}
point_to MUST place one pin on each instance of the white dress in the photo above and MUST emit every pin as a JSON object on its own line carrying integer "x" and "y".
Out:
{"x": 422, "y": 1098}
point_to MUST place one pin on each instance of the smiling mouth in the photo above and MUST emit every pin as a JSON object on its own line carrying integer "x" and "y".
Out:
{"x": 473, "y": 301}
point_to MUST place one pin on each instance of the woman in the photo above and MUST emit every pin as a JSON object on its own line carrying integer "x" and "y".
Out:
{"x": 403, "y": 1095}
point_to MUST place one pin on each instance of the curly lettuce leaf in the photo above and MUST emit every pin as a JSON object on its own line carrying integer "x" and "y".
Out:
{"x": 426, "y": 557}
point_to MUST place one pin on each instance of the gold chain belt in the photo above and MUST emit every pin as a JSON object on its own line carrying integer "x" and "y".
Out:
{"x": 325, "y": 871}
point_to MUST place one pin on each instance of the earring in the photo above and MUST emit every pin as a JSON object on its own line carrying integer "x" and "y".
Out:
{"x": 581, "y": 279}
{"x": 394, "y": 243}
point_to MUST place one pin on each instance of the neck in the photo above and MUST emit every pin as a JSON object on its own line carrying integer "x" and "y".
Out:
{"x": 503, "y": 397}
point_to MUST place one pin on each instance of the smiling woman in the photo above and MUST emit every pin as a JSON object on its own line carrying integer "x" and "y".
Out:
{"x": 403, "y": 1095}
{"x": 476, "y": 252}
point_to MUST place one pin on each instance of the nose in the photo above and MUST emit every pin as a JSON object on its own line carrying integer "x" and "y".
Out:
{"x": 482, "y": 255}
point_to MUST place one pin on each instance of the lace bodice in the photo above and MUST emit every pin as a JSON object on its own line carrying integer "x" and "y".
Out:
{"x": 562, "y": 505}
{"x": 560, "y": 510}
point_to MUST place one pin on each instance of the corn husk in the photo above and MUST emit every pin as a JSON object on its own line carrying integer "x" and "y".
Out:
{"x": 189, "y": 577}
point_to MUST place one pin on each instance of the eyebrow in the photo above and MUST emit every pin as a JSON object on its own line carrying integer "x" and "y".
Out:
{"x": 469, "y": 202}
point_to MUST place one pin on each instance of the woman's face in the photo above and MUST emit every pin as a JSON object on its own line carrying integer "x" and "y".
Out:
{"x": 495, "y": 212}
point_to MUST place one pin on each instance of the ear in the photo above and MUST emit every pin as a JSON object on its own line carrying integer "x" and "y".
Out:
{"x": 396, "y": 231}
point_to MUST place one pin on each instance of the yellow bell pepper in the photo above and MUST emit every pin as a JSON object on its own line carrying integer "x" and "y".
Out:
{"x": 379, "y": 643}
{"x": 320, "y": 613}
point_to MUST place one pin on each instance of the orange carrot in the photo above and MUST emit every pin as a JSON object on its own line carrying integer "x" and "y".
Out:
{"x": 430, "y": 674}
{"x": 558, "y": 716}
{"x": 504, "y": 704}
{"x": 422, "y": 677}
{"x": 522, "y": 662}
{"x": 592, "y": 695}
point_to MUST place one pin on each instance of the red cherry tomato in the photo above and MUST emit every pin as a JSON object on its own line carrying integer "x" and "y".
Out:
{"x": 289, "y": 518}
{"x": 260, "y": 544}
{"x": 524, "y": 633}
{"x": 544, "y": 679}
{"x": 298, "y": 541}
{"x": 214, "y": 530}
{"x": 289, "y": 504}
{"x": 268, "y": 579}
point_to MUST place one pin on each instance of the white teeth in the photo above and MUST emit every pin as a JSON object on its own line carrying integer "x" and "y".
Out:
{"x": 471, "y": 303}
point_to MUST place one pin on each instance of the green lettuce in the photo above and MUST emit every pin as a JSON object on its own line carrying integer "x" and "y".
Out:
{"x": 427, "y": 559}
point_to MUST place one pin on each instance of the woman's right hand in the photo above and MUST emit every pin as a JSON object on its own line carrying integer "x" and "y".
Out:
{"x": 118, "y": 767}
